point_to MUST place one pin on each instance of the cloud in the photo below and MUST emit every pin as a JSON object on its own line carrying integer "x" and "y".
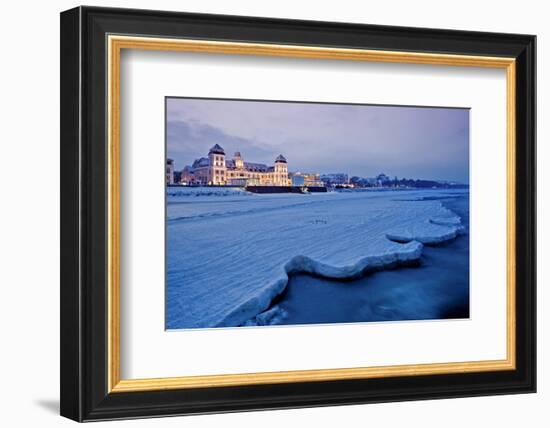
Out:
{"x": 364, "y": 140}
{"x": 189, "y": 140}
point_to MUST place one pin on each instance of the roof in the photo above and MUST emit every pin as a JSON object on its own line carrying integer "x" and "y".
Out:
{"x": 248, "y": 166}
{"x": 252, "y": 166}
{"x": 216, "y": 148}
{"x": 280, "y": 158}
{"x": 201, "y": 163}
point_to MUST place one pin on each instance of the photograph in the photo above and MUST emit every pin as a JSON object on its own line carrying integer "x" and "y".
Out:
{"x": 286, "y": 213}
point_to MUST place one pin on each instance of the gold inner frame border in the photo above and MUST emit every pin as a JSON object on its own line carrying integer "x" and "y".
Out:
{"x": 115, "y": 43}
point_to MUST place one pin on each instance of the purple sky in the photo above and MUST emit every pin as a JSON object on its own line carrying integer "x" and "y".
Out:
{"x": 409, "y": 142}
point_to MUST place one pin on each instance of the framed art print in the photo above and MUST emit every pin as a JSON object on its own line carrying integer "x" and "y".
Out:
{"x": 262, "y": 213}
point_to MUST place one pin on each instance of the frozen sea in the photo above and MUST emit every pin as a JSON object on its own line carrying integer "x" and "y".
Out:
{"x": 435, "y": 288}
{"x": 236, "y": 258}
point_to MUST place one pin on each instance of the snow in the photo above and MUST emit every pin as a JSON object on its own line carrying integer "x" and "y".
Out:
{"x": 272, "y": 316}
{"x": 230, "y": 252}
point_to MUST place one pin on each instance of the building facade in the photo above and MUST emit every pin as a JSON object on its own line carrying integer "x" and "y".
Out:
{"x": 215, "y": 169}
{"x": 335, "y": 179}
{"x": 169, "y": 171}
{"x": 306, "y": 179}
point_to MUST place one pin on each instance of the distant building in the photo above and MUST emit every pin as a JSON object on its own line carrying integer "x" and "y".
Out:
{"x": 362, "y": 181}
{"x": 216, "y": 170}
{"x": 306, "y": 179}
{"x": 297, "y": 179}
{"x": 187, "y": 176}
{"x": 338, "y": 179}
{"x": 169, "y": 171}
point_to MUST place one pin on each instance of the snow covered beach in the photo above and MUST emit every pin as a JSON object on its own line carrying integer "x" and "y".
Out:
{"x": 230, "y": 253}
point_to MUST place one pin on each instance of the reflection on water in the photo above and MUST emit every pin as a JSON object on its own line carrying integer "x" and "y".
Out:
{"x": 436, "y": 289}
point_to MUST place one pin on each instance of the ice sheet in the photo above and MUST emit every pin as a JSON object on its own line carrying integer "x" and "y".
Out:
{"x": 229, "y": 252}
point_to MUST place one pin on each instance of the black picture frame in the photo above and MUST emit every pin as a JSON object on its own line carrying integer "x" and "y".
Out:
{"x": 83, "y": 154}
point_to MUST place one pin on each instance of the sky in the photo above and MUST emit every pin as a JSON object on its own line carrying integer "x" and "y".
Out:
{"x": 362, "y": 140}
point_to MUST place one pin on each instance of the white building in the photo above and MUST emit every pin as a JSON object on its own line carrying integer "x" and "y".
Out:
{"x": 217, "y": 170}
